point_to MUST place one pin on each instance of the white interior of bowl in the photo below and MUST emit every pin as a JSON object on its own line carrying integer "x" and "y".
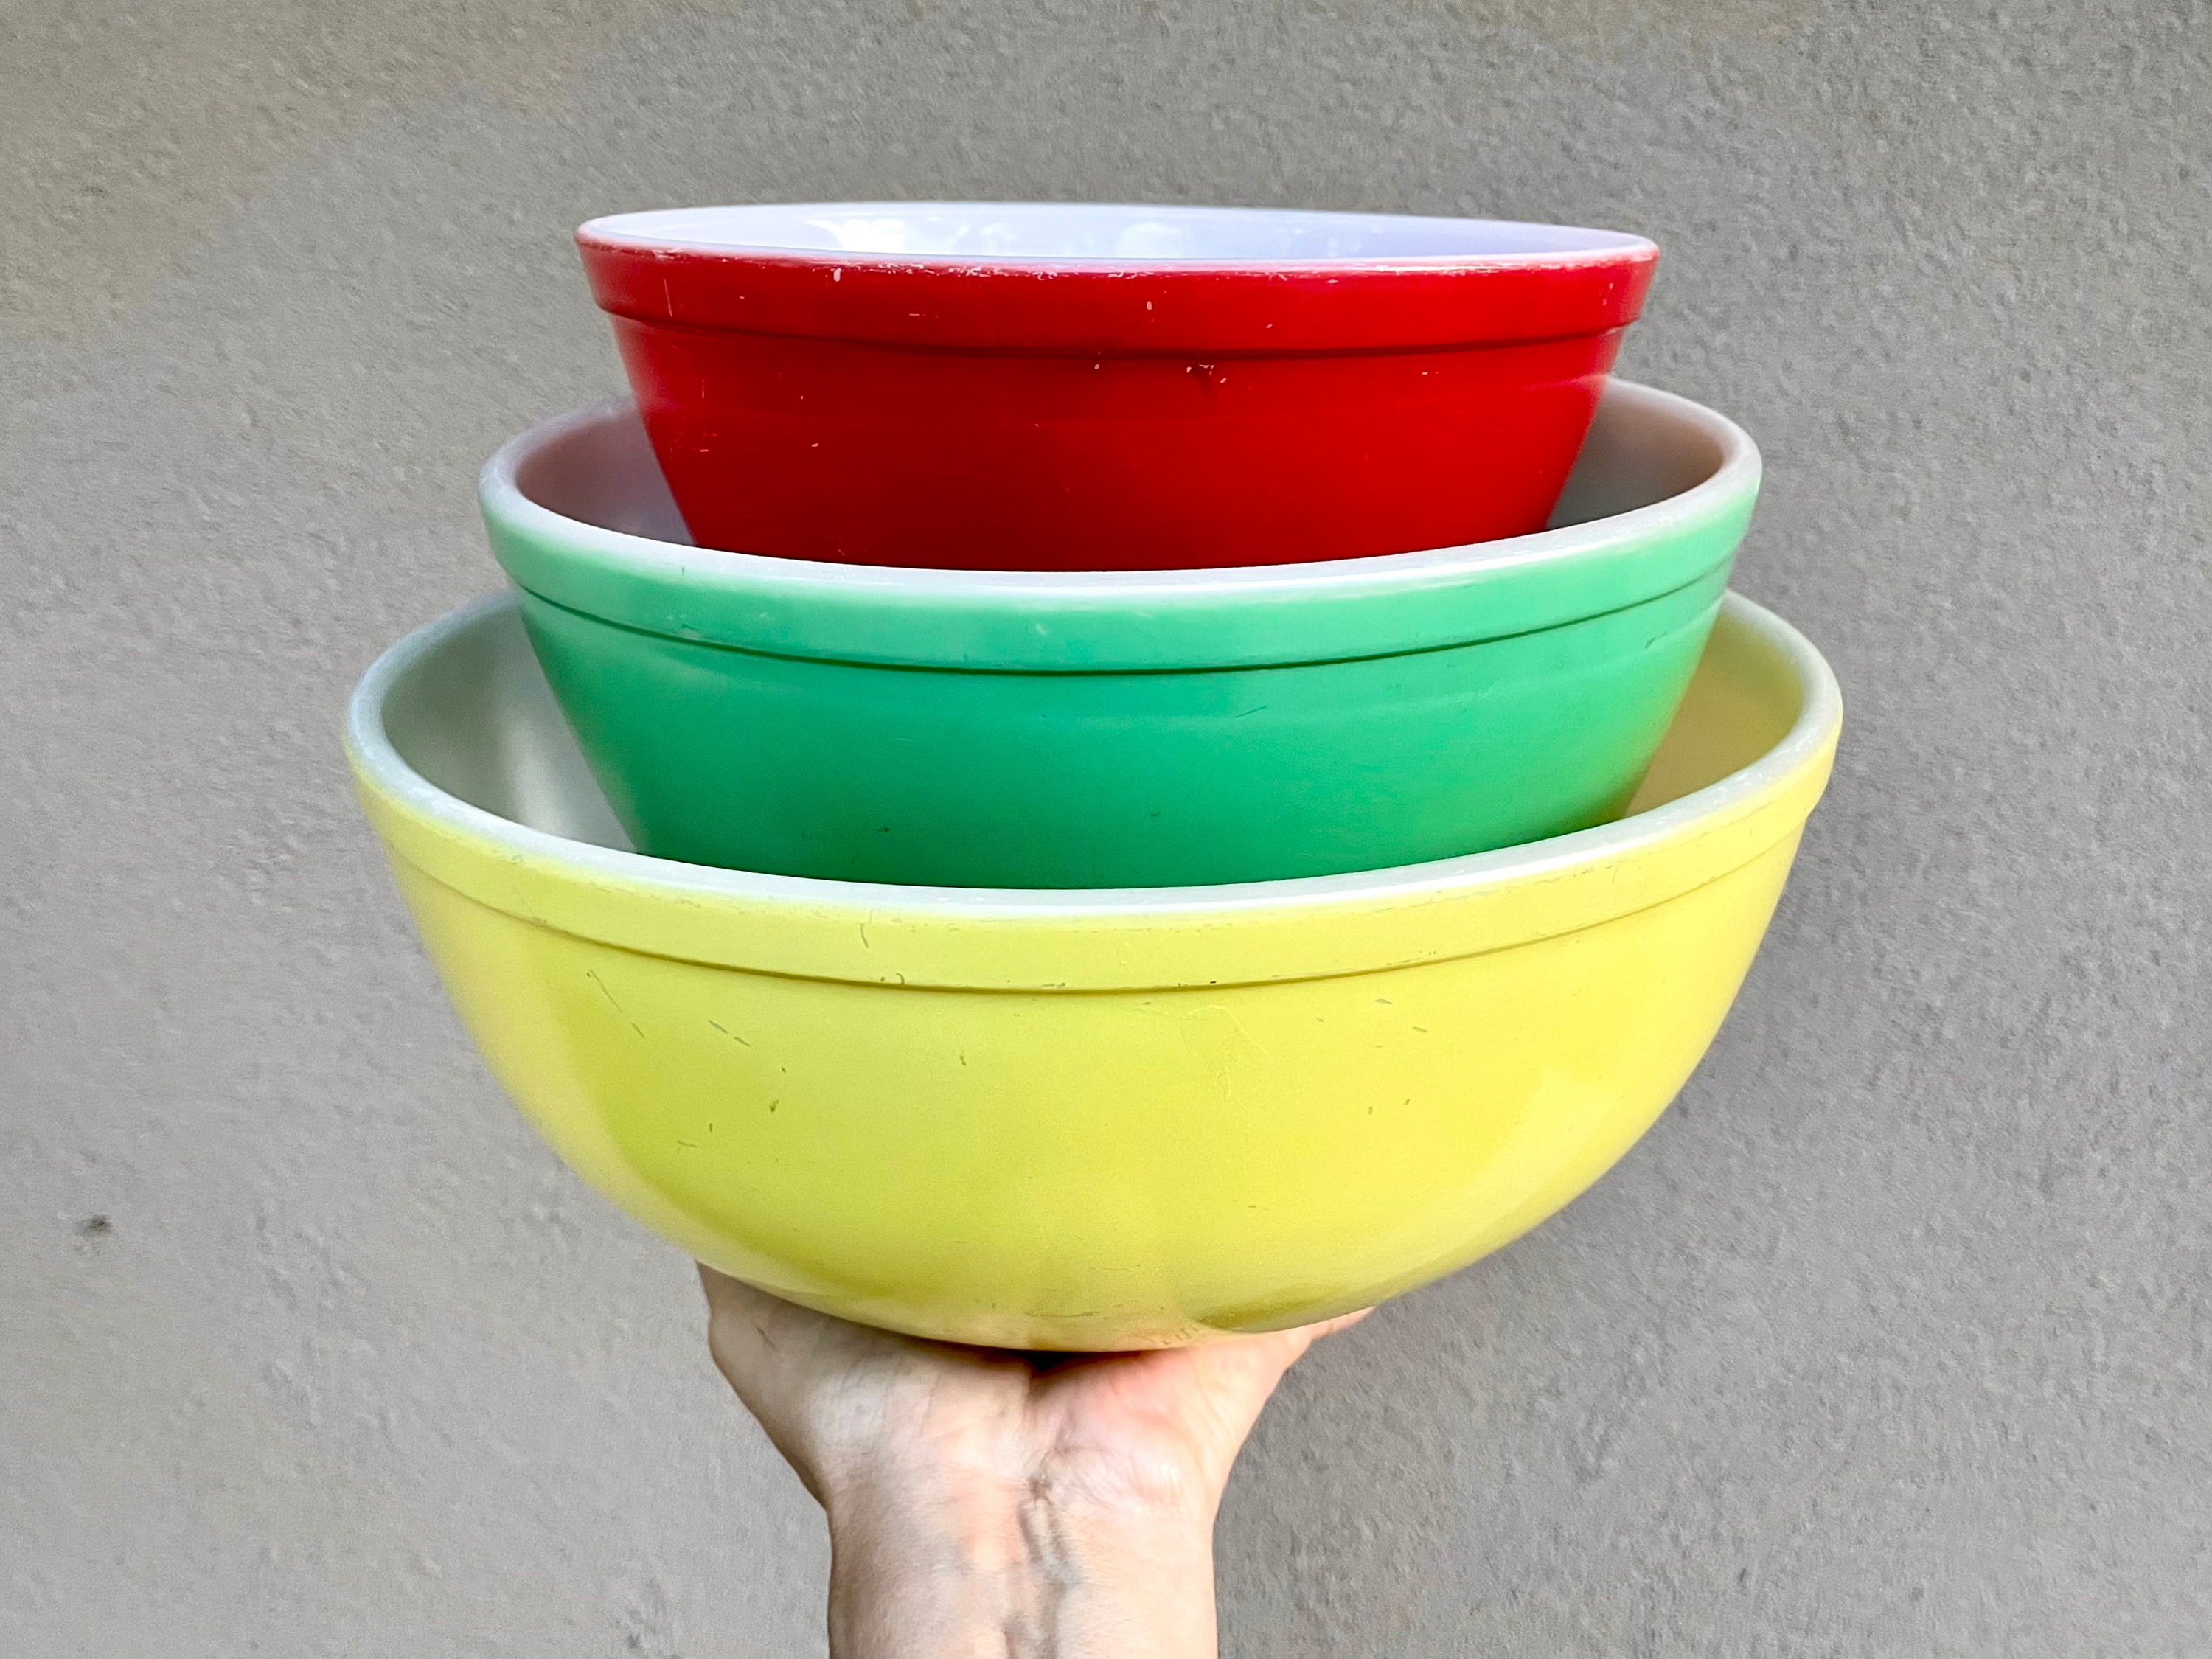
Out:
{"x": 1122, "y": 235}
{"x": 1646, "y": 449}
{"x": 457, "y": 722}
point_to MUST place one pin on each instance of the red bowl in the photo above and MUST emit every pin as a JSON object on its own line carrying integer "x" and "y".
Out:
{"x": 1032, "y": 387}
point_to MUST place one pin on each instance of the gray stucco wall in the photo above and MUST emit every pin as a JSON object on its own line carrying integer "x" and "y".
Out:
{"x": 1892, "y": 1340}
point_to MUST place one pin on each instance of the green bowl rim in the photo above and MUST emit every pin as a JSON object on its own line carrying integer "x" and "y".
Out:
{"x": 1819, "y": 715}
{"x": 1127, "y": 621}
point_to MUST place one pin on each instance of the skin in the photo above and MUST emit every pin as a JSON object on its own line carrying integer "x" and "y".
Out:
{"x": 1013, "y": 1505}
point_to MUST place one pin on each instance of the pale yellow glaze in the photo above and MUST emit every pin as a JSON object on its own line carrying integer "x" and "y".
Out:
{"x": 1076, "y": 1121}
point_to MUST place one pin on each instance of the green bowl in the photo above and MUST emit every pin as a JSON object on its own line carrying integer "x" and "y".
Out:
{"x": 1141, "y": 728}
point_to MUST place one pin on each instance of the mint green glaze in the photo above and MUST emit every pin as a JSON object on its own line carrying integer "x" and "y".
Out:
{"x": 957, "y": 729}
{"x": 578, "y": 514}
{"x": 715, "y": 756}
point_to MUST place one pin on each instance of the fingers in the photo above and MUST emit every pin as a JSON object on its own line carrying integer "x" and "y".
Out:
{"x": 1243, "y": 1373}
{"x": 738, "y": 1325}
{"x": 776, "y": 1353}
{"x": 1313, "y": 1333}
{"x": 740, "y": 1321}
{"x": 1236, "y": 1377}
{"x": 1285, "y": 1348}
{"x": 771, "y": 1356}
{"x": 724, "y": 1291}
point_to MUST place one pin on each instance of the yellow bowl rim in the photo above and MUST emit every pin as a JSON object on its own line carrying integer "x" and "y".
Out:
{"x": 1097, "y": 939}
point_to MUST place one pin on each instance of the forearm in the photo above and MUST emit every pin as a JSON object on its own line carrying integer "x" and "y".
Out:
{"x": 1016, "y": 1576}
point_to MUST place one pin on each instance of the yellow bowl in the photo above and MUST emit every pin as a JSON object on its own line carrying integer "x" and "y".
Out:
{"x": 1085, "y": 1119}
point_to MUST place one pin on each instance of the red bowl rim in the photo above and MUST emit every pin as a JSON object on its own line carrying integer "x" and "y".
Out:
{"x": 1587, "y": 283}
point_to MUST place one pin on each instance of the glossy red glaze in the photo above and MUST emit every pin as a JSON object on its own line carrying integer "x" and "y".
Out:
{"x": 1024, "y": 413}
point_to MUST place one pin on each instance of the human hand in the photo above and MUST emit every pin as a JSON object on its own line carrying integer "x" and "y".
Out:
{"x": 984, "y": 1501}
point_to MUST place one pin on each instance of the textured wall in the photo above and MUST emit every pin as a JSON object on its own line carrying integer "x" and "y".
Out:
{"x": 1892, "y": 1340}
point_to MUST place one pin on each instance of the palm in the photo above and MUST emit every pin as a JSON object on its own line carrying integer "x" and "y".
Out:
{"x": 1158, "y": 1426}
{"x": 1148, "y": 1422}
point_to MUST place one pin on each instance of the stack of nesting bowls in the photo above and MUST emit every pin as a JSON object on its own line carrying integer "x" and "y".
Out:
{"x": 1085, "y": 777}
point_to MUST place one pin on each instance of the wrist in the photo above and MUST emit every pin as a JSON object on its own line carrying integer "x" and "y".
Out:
{"x": 1000, "y": 1566}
